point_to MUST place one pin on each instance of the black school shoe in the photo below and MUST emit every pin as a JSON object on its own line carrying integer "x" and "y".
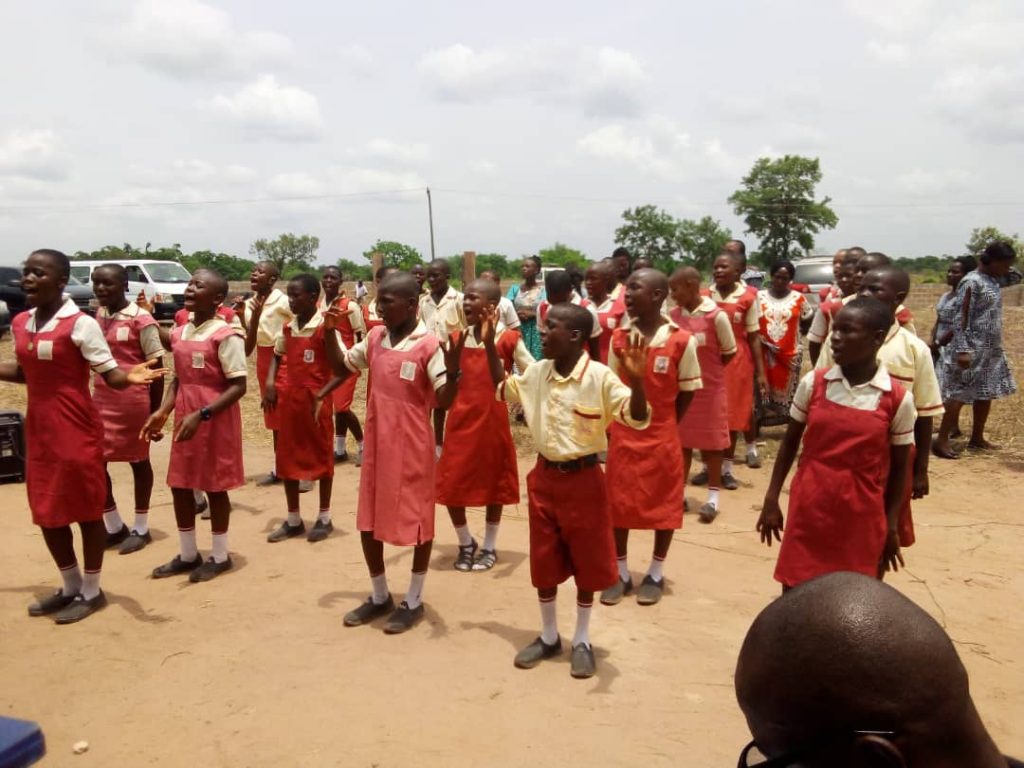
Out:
{"x": 50, "y": 604}
{"x": 368, "y": 611}
{"x": 177, "y": 566}
{"x": 701, "y": 478}
{"x": 135, "y": 542}
{"x": 80, "y": 608}
{"x": 583, "y": 663}
{"x": 650, "y": 591}
{"x": 319, "y": 531}
{"x": 466, "y": 556}
{"x": 536, "y": 652}
{"x": 403, "y": 619}
{"x": 729, "y": 482}
{"x": 115, "y": 539}
{"x": 211, "y": 569}
{"x": 285, "y": 531}
{"x": 614, "y": 594}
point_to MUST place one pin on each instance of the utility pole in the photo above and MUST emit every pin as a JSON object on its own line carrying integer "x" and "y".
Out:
{"x": 430, "y": 213}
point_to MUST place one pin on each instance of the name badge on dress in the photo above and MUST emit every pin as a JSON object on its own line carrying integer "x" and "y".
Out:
{"x": 661, "y": 364}
{"x": 701, "y": 338}
{"x": 122, "y": 333}
{"x": 612, "y": 322}
{"x": 198, "y": 361}
{"x": 408, "y": 371}
{"x": 44, "y": 350}
{"x": 308, "y": 355}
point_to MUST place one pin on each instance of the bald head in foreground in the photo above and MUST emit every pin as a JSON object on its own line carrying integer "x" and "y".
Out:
{"x": 845, "y": 672}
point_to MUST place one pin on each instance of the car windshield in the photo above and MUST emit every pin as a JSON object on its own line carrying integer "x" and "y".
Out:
{"x": 813, "y": 274}
{"x": 81, "y": 273}
{"x": 168, "y": 272}
{"x": 72, "y": 280}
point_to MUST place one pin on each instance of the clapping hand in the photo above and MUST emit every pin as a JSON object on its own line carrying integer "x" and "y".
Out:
{"x": 145, "y": 373}
{"x": 634, "y": 358}
{"x": 489, "y": 325}
{"x": 142, "y": 302}
{"x": 453, "y": 352}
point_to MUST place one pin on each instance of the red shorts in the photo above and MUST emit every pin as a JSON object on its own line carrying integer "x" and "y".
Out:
{"x": 570, "y": 528}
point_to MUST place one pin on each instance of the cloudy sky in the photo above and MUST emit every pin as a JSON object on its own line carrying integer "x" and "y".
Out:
{"x": 212, "y": 123}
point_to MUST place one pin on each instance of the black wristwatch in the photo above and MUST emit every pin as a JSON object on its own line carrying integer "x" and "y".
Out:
{"x": 453, "y": 375}
{"x": 205, "y": 413}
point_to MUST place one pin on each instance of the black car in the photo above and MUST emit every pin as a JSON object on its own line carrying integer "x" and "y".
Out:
{"x": 11, "y": 293}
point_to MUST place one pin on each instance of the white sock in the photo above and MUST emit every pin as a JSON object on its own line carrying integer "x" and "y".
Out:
{"x": 141, "y": 525}
{"x": 360, "y": 445}
{"x": 294, "y": 518}
{"x": 491, "y": 536}
{"x": 623, "y": 568}
{"x": 112, "y": 520}
{"x": 656, "y": 571}
{"x": 582, "y": 635}
{"x": 339, "y": 444}
{"x": 220, "y": 547}
{"x": 752, "y": 449}
{"x": 90, "y": 584}
{"x": 704, "y": 468}
{"x": 72, "y": 578}
{"x": 713, "y": 496}
{"x": 414, "y": 597}
{"x": 726, "y": 466}
{"x": 549, "y": 621}
{"x": 380, "y": 588}
{"x": 437, "y": 451}
{"x": 324, "y": 516}
{"x": 465, "y": 537}
{"x": 187, "y": 542}
{"x": 198, "y": 496}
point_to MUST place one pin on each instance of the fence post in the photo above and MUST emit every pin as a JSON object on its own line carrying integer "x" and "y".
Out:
{"x": 468, "y": 268}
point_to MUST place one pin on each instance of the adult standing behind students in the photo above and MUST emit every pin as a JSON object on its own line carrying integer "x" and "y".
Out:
{"x": 785, "y": 317}
{"x": 981, "y": 373}
{"x": 947, "y": 311}
{"x": 526, "y": 297}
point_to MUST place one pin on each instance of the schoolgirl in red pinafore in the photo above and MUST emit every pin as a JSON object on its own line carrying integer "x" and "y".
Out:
{"x": 836, "y": 519}
{"x": 644, "y": 472}
{"x": 396, "y": 483}
{"x": 705, "y": 425}
{"x": 344, "y": 394}
{"x": 125, "y": 411}
{"x": 276, "y": 302}
{"x": 739, "y": 384}
{"x": 609, "y": 316}
{"x": 212, "y": 459}
{"x": 63, "y": 430}
{"x": 227, "y": 314}
{"x": 305, "y": 446}
{"x": 478, "y": 461}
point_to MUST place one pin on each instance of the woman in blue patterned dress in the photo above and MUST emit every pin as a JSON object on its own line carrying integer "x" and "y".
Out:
{"x": 978, "y": 372}
{"x": 526, "y": 297}
{"x": 946, "y": 317}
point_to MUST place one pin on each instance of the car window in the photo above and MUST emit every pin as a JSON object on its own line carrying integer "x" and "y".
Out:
{"x": 9, "y": 273}
{"x": 81, "y": 272}
{"x": 135, "y": 274}
{"x": 168, "y": 272}
{"x": 813, "y": 274}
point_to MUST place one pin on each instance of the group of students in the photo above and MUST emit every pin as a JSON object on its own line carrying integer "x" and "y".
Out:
{"x": 625, "y": 381}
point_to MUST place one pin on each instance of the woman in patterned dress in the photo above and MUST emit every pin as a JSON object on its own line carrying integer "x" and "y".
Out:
{"x": 785, "y": 317}
{"x": 526, "y": 297}
{"x": 946, "y": 315}
{"x": 978, "y": 372}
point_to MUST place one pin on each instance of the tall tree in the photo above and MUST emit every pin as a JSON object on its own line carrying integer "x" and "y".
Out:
{"x": 561, "y": 255}
{"x": 777, "y": 203}
{"x": 287, "y": 250}
{"x": 650, "y": 232}
{"x": 701, "y": 241}
{"x": 982, "y": 236}
{"x": 398, "y": 255}
{"x": 351, "y": 270}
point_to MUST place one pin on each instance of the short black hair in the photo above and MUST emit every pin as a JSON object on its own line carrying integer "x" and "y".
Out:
{"x": 486, "y": 288}
{"x": 120, "y": 273}
{"x": 781, "y": 264}
{"x": 877, "y": 315}
{"x": 269, "y": 266}
{"x": 998, "y": 250}
{"x": 968, "y": 263}
{"x": 308, "y": 282}
{"x": 622, "y": 253}
{"x": 576, "y": 318}
{"x": 331, "y": 268}
{"x": 535, "y": 259}
{"x": 59, "y": 258}
{"x": 741, "y": 244}
{"x": 441, "y": 264}
{"x": 401, "y": 283}
{"x": 856, "y": 250}
{"x": 383, "y": 272}
{"x": 214, "y": 277}
{"x": 558, "y": 281}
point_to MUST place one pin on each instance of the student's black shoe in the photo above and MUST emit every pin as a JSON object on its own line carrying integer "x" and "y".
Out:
{"x": 211, "y": 569}
{"x": 536, "y": 652}
{"x": 115, "y": 539}
{"x": 340, "y": 458}
{"x": 319, "y": 531}
{"x": 50, "y": 604}
{"x": 485, "y": 560}
{"x": 269, "y": 479}
{"x": 467, "y": 553}
{"x": 708, "y": 512}
{"x": 729, "y": 482}
{"x": 368, "y": 611}
{"x": 285, "y": 531}
{"x": 753, "y": 461}
{"x": 650, "y": 591}
{"x": 614, "y": 594}
{"x": 583, "y": 663}
{"x": 80, "y": 608}
{"x": 701, "y": 478}
{"x": 135, "y": 542}
{"x": 403, "y": 619}
{"x": 177, "y": 566}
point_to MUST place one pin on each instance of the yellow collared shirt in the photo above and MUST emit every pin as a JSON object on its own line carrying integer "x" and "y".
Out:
{"x": 273, "y": 318}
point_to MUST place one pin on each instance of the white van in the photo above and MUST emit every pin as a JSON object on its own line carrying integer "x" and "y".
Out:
{"x": 163, "y": 281}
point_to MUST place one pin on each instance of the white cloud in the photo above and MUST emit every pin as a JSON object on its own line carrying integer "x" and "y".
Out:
{"x": 33, "y": 154}
{"x": 893, "y": 16}
{"x": 888, "y": 52}
{"x": 485, "y": 167}
{"x": 929, "y": 183}
{"x": 357, "y": 58}
{"x": 390, "y": 151}
{"x": 265, "y": 109}
{"x": 295, "y": 185}
{"x": 603, "y": 81}
{"x": 190, "y": 38}
{"x": 987, "y": 102}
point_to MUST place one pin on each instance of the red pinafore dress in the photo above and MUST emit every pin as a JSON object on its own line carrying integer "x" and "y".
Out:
{"x": 739, "y": 384}
{"x": 63, "y": 431}
{"x": 478, "y": 462}
{"x": 644, "y": 472}
{"x": 836, "y": 519}
{"x": 212, "y": 459}
{"x": 705, "y": 425}
{"x": 305, "y": 446}
{"x": 610, "y": 319}
{"x": 125, "y": 411}
{"x": 227, "y": 314}
{"x": 396, "y": 484}
{"x": 342, "y": 396}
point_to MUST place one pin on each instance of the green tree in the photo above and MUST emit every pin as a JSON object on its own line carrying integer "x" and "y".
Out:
{"x": 982, "y": 236}
{"x": 701, "y": 241}
{"x": 398, "y": 255}
{"x": 287, "y": 250}
{"x": 498, "y": 262}
{"x": 350, "y": 270}
{"x": 651, "y": 233}
{"x": 777, "y": 203}
{"x": 561, "y": 255}
{"x": 228, "y": 266}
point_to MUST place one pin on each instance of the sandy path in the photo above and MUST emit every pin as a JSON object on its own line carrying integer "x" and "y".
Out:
{"x": 256, "y": 668}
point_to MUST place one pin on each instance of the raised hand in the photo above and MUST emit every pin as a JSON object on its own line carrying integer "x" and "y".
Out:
{"x": 333, "y": 315}
{"x": 489, "y": 325}
{"x": 257, "y": 307}
{"x": 145, "y": 373}
{"x": 453, "y": 352}
{"x": 634, "y": 358}
{"x": 142, "y": 302}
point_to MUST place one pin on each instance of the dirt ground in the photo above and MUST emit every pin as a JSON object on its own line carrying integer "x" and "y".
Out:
{"x": 256, "y": 669}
